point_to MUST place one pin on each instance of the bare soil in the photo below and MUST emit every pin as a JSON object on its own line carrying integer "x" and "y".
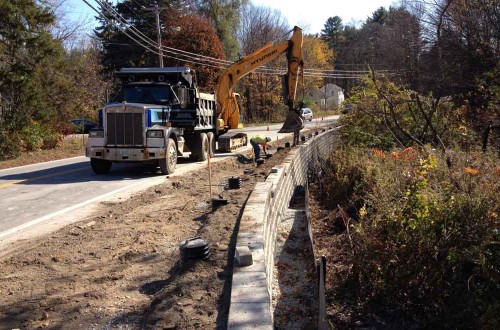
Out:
{"x": 120, "y": 268}
{"x": 331, "y": 240}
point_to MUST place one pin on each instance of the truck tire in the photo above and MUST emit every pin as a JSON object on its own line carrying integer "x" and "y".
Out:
{"x": 167, "y": 165}
{"x": 211, "y": 143}
{"x": 100, "y": 166}
{"x": 200, "y": 152}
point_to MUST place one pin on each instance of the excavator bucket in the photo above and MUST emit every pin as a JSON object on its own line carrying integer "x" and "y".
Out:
{"x": 293, "y": 122}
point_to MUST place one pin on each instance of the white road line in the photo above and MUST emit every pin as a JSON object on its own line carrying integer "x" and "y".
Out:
{"x": 30, "y": 165}
{"x": 54, "y": 214}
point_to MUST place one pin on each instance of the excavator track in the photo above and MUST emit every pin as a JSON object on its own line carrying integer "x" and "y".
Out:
{"x": 231, "y": 141}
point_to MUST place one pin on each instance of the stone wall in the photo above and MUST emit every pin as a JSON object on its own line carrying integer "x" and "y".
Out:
{"x": 252, "y": 285}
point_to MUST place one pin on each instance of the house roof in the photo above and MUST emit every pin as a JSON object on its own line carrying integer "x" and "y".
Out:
{"x": 331, "y": 87}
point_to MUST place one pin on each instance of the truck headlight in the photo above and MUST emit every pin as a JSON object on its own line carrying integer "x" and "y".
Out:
{"x": 154, "y": 133}
{"x": 96, "y": 133}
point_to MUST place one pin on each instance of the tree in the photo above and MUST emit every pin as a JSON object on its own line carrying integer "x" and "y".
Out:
{"x": 197, "y": 36}
{"x": 463, "y": 42}
{"x": 332, "y": 31}
{"x": 317, "y": 55}
{"x": 86, "y": 89}
{"x": 259, "y": 26}
{"x": 223, "y": 14}
{"x": 134, "y": 19}
{"x": 27, "y": 52}
{"x": 379, "y": 16}
{"x": 41, "y": 84}
{"x": 388, "y": 40}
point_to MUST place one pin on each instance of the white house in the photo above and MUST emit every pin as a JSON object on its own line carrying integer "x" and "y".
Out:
{"x": 329, "y": 96}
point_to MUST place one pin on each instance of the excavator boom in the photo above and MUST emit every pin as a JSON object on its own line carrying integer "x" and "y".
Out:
{"x": 228, "y": 108}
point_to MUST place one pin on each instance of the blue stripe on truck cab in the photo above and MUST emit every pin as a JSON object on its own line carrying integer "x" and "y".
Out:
{"x": 99, "y": 114}
{"x": 149, "y": 115}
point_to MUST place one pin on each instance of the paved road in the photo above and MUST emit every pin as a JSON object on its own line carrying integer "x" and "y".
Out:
{"x": 32, "y": 194}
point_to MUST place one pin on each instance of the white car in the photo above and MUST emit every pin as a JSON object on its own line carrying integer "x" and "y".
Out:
{"x": 307, "y": 114}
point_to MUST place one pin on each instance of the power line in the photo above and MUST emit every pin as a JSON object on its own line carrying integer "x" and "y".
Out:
{"x": 199, "y": 59}
{"x": 146, "y": 39}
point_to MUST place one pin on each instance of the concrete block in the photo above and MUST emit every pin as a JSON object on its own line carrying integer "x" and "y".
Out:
{"x": 258, "y": 262}
{"x": 243, "y": 256}
{"x": 254, "y": 294}
{"x": 256, "y": 227}
{"x": 250, "y": 303}
{"x": 257, "y": 267}
{"x": 248, "y": 279}
{"x": 252, "y": 240}
{"x": 249, "y": 240}
{"x": 243, "y": 316}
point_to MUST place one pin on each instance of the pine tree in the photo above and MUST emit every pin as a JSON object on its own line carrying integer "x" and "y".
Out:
{"x": 115, "y": 32}
{"x": 332, "y": 31}
{"x": 29, "y": 57}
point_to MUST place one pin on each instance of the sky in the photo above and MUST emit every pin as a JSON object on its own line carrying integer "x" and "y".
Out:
{"x": 314, "y": 13}
{"x": 310, "y": 15}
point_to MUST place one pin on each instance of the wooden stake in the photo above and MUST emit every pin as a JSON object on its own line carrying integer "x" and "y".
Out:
{"x": 210, "y": 180}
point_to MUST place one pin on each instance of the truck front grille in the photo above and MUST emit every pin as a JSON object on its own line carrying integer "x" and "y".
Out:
{"x": 125, "y": 128}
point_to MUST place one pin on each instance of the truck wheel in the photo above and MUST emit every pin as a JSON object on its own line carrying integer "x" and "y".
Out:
{"x": 167, "y": 165}
{"x": 100, "y": 166}
{"x": 200, "y": 151}
{"x": 211, "y": 143}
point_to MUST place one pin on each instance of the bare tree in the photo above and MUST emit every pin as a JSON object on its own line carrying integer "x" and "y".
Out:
{"x": 72, "y": 32}
{"x": 259, "y": 26}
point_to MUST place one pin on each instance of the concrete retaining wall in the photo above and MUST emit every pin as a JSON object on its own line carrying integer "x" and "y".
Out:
{"x": 252, "y": 285}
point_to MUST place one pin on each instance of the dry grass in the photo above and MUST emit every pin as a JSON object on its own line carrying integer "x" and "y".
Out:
{"x": 71, "y": 146}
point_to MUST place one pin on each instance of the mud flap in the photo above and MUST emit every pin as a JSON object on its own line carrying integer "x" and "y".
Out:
{"x": 294, "y": 122}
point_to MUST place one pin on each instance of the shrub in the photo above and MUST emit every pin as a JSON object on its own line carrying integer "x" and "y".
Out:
{"x": 385, "y": 115}
{"x": 32, "y": 136}
{"x": 9, "y": 145}
{"x": 423, "y": 234}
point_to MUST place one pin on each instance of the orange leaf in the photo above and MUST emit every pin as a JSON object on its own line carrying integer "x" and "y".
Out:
{"x": 408, "y": 154}
{"x": 471, "y": 171}
{"x": 378, "y": 152}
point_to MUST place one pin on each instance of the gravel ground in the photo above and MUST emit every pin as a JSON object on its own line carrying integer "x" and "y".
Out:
{"x": 294, "y": 287}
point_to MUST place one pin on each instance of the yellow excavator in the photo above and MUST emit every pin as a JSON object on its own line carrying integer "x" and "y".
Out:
{"x": 228, "y": 112}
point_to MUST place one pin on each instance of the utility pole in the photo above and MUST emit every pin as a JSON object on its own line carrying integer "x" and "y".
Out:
{"x": 156, "y": 9}
{"x": 158, "y": 30}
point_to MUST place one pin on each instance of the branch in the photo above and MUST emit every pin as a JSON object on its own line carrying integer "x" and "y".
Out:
{"x": 393, "y": 113}
{"x": 428, "y": 121}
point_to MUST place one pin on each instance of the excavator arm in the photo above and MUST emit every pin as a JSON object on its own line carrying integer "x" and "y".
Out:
{"x": 228, "y": 115}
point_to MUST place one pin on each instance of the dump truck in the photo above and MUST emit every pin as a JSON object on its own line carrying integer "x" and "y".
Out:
{"x": 162, "y": 114}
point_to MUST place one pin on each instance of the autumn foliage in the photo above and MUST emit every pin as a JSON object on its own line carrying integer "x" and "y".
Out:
{"x": 411, "y": 239}
{"x": 195, "y": 35}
